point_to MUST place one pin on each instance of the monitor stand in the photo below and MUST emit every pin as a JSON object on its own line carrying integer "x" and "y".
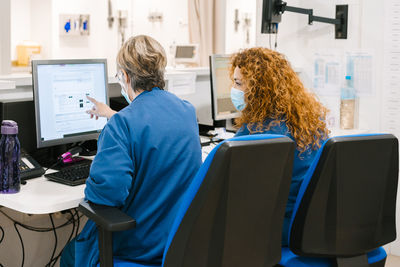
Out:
{"x": 89, "y": 148}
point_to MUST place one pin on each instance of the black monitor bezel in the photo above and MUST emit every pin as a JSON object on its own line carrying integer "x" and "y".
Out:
{"x": 66, "y": 140}
{"x": 214, "y": 103}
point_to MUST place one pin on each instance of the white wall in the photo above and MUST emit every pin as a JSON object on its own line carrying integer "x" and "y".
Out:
{"x": 20, "y": 24}
{"x": 38, "y": 20}
{"x": 235, "y": 40}
{"x": 102, "y": 41}
{"x": 173, "y": 29}
{"x": 5, "y": 36}
{"x": 299, "y": 41}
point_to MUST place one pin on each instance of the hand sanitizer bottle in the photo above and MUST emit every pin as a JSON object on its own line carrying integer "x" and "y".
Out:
{"x": 348, "y": 105}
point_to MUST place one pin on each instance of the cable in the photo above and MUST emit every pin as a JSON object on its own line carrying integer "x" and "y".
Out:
{"x": 55, "y": 240}
{"x": 72, "y": 221}
{"x": 69, "y": 154}
{"x": 79, "y": 221}
{"x": 1, "y": 240}
{"x": 270, "y": 44}
{"x": 36, "y": 229}
{"x": 2, "y": 234}
{"x": 54, "y": 260}
{"x": 22, "y": 244}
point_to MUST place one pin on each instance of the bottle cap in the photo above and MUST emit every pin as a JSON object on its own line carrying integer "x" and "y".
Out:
{"x": 9, "y": 127}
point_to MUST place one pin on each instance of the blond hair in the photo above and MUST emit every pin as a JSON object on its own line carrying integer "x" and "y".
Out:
{"x": 144, "y": 60}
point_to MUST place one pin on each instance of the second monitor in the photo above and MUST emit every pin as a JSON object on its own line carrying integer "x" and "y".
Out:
{"x": 221, "y": 83}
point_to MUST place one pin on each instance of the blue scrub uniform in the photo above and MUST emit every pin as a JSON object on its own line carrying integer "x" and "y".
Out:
{"x": 300, "y": 167}
{"x": 147, "y": 155}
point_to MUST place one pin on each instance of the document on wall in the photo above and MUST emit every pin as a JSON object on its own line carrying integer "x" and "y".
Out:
{"x": 359, "y": 65}
{"x": 181, "y": 83}
{"x": 391, "y": 69}
{"x": 331, "y": 68}
{"x": 327, "y": 73}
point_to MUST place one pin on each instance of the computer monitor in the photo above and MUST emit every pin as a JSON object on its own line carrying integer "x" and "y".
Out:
{"x": 186, "y": 54}
{"x": 60, "y": 89}
{"x": 221, "y": 83}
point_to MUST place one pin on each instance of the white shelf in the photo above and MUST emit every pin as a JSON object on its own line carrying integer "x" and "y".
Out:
{"x": 7, "y": 85}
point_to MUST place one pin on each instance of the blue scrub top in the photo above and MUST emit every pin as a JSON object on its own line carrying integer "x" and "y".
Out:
{"x": 300, "y": 167}
{"x": 147, "y": 155}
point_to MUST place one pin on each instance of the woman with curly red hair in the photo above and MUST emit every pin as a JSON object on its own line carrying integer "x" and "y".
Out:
{"x": 273, "y": 100}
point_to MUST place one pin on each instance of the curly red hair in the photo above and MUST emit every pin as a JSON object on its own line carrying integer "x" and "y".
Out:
{"x": 275, "y": 92}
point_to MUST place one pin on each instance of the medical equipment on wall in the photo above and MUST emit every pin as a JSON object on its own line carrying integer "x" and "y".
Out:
{"x": 110, "y": 17}
{"x": 155, "y": 16}
{"x": 122, "y": 24}
{"x": 74, "y": 24}
{"x": 236, "y": 22}
{"x": 272, "y": 11}
{"x": 246, "y": 26}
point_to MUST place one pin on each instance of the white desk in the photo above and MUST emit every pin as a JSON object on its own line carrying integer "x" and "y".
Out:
{"x": 41, "y": 196}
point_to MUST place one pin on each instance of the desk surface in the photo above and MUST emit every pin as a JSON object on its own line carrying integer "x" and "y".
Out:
{"x": 41, "y": 196}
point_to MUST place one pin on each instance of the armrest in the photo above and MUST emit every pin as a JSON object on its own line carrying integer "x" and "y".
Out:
{"x": 109, "y": 218}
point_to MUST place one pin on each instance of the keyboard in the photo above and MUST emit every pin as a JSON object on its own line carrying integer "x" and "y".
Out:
{"x": 72, "y": 175}
{"x": 205, "y": 150}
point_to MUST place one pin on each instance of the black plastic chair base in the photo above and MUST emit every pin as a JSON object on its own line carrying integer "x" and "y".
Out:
{"x": 379, "y": 263}
{"x": 357, "y": 261}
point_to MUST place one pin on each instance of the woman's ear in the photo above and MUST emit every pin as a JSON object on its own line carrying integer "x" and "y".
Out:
{"x": 127, "y": 80}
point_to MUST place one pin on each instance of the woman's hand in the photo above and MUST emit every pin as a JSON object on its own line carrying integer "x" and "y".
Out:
{"x": 99, "y": 109}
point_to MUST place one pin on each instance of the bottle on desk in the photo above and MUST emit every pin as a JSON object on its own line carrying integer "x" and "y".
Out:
{"x": 9, "y": 158}
{"x": 348, "y": 105}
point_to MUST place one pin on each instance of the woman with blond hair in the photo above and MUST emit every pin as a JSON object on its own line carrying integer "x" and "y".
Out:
{"x": 148, "y": 154}
{"x": 273, "y": 100}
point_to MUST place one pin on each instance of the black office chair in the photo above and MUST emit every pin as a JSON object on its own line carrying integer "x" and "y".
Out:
{"x": 232, "y": 213}
{"x": 345, "y": 210}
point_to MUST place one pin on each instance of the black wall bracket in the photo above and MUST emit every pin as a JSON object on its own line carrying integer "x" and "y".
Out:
{"x": 342, "y": 13}
{"x": 273, "y": 10}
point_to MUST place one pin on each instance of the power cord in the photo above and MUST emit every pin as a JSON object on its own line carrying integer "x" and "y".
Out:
{"x": 55, "y": 241}
{"x": 1, "y": 239}
{"x": 74, "y": 217}
{"x": 54, "y": 260}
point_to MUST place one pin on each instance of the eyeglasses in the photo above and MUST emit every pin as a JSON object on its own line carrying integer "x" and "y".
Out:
{"x": 119, "y": 75}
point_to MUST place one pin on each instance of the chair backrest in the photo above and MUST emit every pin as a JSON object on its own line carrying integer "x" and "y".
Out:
{"x": 232, "y": 214}
{"x": 347, "y": 201}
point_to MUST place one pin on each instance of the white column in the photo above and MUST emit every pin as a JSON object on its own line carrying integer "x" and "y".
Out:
{"x": 5, "y": 37}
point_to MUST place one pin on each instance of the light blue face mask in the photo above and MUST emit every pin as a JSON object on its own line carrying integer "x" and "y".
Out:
{"x": 124, "y": 94}
{"x": 237, "y": 97}
{"x": 123, "y": 87}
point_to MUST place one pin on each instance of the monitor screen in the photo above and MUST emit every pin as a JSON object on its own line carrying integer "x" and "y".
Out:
{"x": 185, "y": 51}
{"x": 221, "y": 83}
{"x": 60, "y": 90}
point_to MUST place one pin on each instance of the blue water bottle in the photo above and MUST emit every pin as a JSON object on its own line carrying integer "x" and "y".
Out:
{"x": 10, "y": 181}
